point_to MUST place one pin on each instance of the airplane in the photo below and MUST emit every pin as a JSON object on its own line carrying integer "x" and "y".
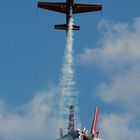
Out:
{"x": 72, "y": 133}
{"x": 94, "y": 134}
{"x": 69, "y": 8}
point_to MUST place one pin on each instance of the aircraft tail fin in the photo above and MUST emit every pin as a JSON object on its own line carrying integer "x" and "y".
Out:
{"x": 60, "y": 133}
{"x": 94, "y": 123}
{"x": 66, "y": 27}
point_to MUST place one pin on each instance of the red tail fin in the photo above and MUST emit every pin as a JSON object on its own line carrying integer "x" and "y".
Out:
{"x": 95, "y": 120}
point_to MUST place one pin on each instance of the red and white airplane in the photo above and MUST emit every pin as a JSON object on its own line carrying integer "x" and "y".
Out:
{"x": 94, "y": 134}
{"x": 69, "y": 8}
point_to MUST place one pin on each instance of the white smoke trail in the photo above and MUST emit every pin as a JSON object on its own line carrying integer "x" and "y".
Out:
{"x": 69, "y": 94}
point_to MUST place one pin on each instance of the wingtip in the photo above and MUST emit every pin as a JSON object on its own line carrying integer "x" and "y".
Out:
{"x": 39, "y": 4}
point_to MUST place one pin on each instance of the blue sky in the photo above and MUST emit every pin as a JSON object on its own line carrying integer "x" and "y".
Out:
{"x": 106, "y": 52}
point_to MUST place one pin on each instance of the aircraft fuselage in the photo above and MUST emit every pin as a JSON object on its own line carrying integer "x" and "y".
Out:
{"x": 69, "y": 13}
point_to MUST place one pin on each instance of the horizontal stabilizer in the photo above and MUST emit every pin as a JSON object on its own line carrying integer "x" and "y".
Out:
{"x": 66, "y": 27}
{"x": 76, "y": 27}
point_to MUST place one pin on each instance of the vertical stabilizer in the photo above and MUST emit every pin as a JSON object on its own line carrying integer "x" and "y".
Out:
{"x": 94, "y": 123}
{"x": 71, "y": 119}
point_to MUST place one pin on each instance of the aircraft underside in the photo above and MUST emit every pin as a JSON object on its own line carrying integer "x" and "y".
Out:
{"x": 69, "y": 8}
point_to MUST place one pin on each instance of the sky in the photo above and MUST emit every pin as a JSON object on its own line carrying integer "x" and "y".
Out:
{"x": 107, "y": 65}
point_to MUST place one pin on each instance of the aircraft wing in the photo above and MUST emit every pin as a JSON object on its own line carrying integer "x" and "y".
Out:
{"x": 54, "y": 6}
{"x": 81, "y": 8}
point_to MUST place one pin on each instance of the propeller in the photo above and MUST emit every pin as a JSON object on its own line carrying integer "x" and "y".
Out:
{"x": 82, "y": 133}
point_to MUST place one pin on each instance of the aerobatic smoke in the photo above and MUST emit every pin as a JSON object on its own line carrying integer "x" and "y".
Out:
{"x": 69, "y": 94}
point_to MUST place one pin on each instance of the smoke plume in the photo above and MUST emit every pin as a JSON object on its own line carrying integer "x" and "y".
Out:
{"x": 69, "y": 94}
